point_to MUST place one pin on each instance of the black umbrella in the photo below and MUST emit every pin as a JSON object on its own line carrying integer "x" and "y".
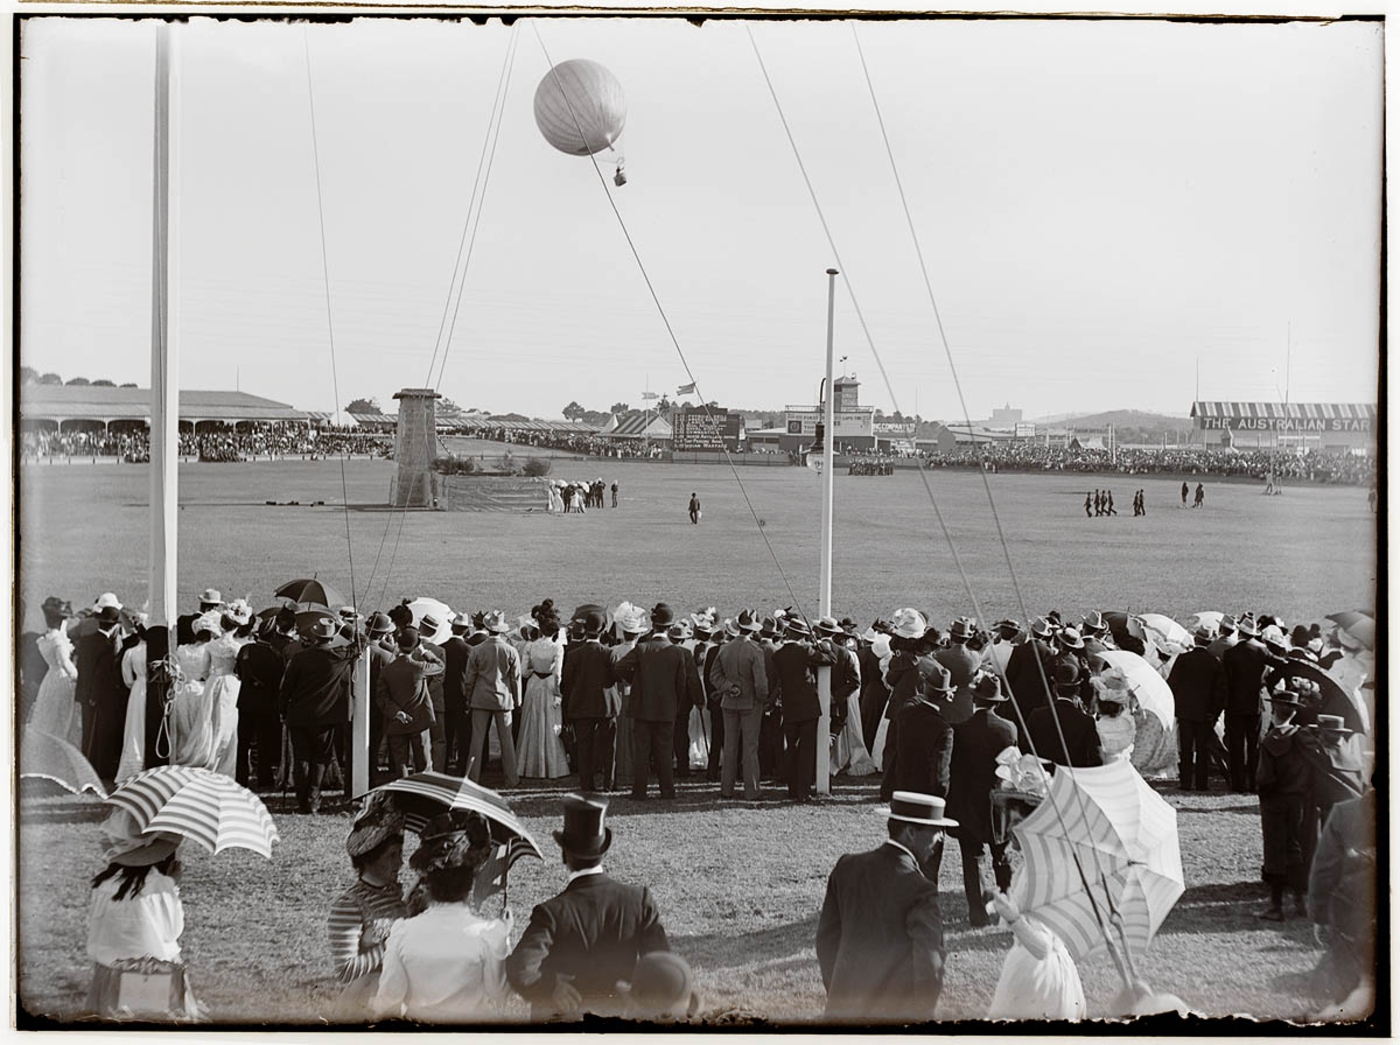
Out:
{"x": 312, "y": 591}
{"x": 1335, "y": 699}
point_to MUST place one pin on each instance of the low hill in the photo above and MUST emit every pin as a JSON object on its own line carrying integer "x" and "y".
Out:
{"x": 1119, "y": 419}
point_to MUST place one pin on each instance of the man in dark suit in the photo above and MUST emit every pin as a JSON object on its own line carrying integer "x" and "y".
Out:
{"x": 1245, "y": 664}
{"x": 458, "y": 727}
{"x": 315, "y": 704}
{"x": 590, "y": 701}
{"x": 874, "y": 694}
{"x": 1028, "y": 672}
{"x": 880, "y": 935}
{"x": 184, "y": 633}
{"x": 657, "y": 671}
{"x": 770, "y": 732}
{"x": 1081, "y": 737}
{"x": 401, "y": 695}
{"x": 100, "y": 692}
{"x": 581, "y": 944}
{"x": 972, "y": 778}
{"x": 259, "y": 668}
{"x": 1197, "y": 682}
{"x": 795, "y": 684}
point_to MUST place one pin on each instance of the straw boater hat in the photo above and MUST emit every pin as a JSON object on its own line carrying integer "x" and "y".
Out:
{"x": 828, "y": 626}
{"x": 496, "y": 621}
{"x": 380, "y": 820}
{"x": 910, "y": 807}
{"x": 211, "y": 597}
{"x": 127, "y": 845}
{"x": 584, "y": 834}
{"x": 1286, "y": 697}
{"x": 748, "y": 621}
{"x": 1333, "y": 724}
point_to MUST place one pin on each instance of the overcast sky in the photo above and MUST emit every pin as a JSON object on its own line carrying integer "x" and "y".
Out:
{"x": 1099, "y": 206}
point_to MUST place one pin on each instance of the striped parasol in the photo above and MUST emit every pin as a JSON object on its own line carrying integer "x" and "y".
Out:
{"x": 47, "y": 757}
{"x": 199, "y": 804}
{"x": 422, "y": 796}
{"x": 1125, "y": 838}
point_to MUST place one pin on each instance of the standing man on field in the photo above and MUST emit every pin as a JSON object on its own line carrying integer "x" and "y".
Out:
{"x": 694, "y": 509}
{"x": 880, "y": 936}
{"x": 493, "y": 688}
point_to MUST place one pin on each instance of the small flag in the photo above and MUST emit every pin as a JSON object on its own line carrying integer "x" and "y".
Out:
{"x": 651, "y": 395}
{"x": 686, "y": 390}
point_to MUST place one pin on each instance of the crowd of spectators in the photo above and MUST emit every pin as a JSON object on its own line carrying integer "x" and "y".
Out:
{"x": 572, "y": 442}
{"x": 1313, "y": 466}
{"x": 274, "y": 440}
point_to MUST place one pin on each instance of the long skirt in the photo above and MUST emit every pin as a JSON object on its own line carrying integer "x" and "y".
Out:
{"x": 134, "y": 734}
{"x": 849, "y": 753}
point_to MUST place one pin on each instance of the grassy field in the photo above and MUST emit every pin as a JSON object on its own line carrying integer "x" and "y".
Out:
{"x": 739, "y": 886}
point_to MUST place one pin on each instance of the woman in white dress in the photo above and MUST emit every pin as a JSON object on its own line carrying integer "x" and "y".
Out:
{"x": 221, "y": 688}
{"x": 447, "y": 964}
{"x": 55, "y": 711}
{"x": 540, "y": 752}
{"x": 133, "y": 759}
{"x": 1039, "y": 980}
{"x": 191, "y": 718}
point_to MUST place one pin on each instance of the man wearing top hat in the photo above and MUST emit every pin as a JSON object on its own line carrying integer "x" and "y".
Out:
{"x": 795, "y": 684}
{"x": 739, "y": 679}
{"x": 1080, "y": 744}
{"x": 591, "y": 702}
{"x": 581, "y": 944}
{"x": 493, "y": 694}
{"x": 880, "y": 935}
{"x": 1197, "y": 682}
{"x": 972, "y": 778}
{"x": 657, "y": 671}
{"x": 100, "y": 691}
{"x": 211, "y": 599}
{"x": 315, "y": 704}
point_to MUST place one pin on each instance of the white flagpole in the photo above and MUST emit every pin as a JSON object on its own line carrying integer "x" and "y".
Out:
{"x": 165, "y": 357}
{"x": 828, "y": 489}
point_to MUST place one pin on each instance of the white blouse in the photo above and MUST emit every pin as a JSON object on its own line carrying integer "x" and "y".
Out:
{"x": 147, "y": 925}
{"x": 447, "y": 964}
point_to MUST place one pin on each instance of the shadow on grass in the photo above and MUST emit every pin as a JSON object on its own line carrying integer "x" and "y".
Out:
{"x": 1248, "y": 810}
{"x": 74, "y": 811}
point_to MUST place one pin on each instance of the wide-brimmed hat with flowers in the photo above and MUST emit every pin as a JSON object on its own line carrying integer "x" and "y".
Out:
{"x": 126, "y": 844}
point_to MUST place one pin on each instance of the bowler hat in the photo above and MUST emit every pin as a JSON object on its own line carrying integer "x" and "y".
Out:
{"x": 987, "y": 689}
{"x": 1066, "y": 673}
{"x": 1008, "y": 628}
{"x": 584, "y": 833}
{"x": 849, "y": 626}
{"x": 661, "y": 616}
{"x": 108, "y": 615}
{"x": 379, "y": 624}
{"x": 408, "y": 637}
{"x": 911, "y": 807}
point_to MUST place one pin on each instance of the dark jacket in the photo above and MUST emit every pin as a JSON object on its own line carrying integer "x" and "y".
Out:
{"x": 587, "y": 682}
{"x": 316, "y": 687}
{"x": 880, "y": 939}
{"x": 593, "y": 931}
{"x": 99, "y": 684}
{"x": 694, "y": 696}
{"x": 1197, "y": 681}
{"x": 1081, "y": 735}
{"x": 403, "y": 686}
{"x": 796, "y": 681}
{"x": 962, "y": 665}
{"x": 1245, "y": 664}
{"x": 657, "y": 671}
{"x": 925, "y": 750}
{"x": 972, "y": 776}
{"x": 259, "y": 669}
{"x": 455, "y": 652}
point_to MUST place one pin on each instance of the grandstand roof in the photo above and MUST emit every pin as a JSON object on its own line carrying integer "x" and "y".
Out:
{"x": 97, "y": 402}
{"x": 1310, "y": 411}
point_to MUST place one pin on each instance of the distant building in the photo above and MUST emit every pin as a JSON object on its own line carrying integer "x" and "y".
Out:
{"x": 1338, "y": 427}
{"x": 69, "y": 408}
{"x": 1004, "y": 417}
{"x": 854, "y": 424}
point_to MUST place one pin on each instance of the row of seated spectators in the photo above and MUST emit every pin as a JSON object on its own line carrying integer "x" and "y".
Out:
{"x": 1314, "y": 466}
{"x": 574, "y": 442}
{"x": 264, "y": 441}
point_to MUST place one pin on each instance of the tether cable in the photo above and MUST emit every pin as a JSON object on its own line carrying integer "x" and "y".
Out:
{"x": 670, "y": 332}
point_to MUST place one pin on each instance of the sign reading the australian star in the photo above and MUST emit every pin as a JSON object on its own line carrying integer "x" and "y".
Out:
{"x": 699, "y": 428}
{"x": 1286, "y": 424}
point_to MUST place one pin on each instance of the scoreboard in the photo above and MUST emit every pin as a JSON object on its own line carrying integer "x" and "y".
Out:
{"x": 695, "y": 428}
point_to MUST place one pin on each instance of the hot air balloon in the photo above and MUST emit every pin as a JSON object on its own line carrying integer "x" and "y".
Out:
{"x": 580, "y": 110}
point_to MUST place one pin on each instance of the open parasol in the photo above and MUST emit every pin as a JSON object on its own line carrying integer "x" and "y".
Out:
{"x": 1105, "y": 826}
{"x": 1359, "y": 624}
{"x": 422, "y": 607}
{"x": 199, "y": 804}
{"x": 1335, "y": 698}
{"x": 44, "y": 756}
{"x": 422, "y": 796}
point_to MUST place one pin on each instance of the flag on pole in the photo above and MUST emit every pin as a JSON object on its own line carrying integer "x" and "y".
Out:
{"x": 686, "y": 390}
{"x": 651, "y": 395}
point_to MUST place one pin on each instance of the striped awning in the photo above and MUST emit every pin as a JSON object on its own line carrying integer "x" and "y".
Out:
{"x": 1297, "y": 411}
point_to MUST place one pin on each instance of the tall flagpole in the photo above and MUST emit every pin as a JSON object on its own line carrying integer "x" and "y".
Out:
{"x": 828, "y": 489}
{"x": 165, "y": 390}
